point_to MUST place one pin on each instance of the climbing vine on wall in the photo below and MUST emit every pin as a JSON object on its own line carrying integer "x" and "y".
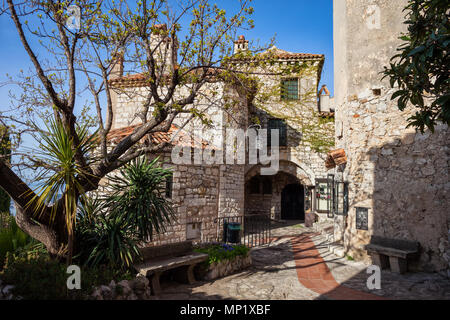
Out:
{"x": 314, "y": 130}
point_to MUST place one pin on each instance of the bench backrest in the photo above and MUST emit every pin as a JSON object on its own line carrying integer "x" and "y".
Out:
{"x": 173, "y": 249}
{"x": 406, "y": 245}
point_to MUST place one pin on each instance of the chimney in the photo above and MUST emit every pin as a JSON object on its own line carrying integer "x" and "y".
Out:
{"x": 117, "y": 66}
{"x": 162, "y": 41}
{"x": 240, "y": 45}
{"x": 324, "y": 99}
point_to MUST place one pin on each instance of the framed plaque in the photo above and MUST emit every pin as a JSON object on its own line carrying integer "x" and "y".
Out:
{"x": 362, "y": 218}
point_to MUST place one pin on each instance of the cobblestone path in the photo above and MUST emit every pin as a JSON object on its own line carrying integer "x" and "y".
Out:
{"x": 298, "y": 266}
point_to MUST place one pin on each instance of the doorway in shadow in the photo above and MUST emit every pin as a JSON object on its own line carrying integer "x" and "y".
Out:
{"x": 293, "y": 202}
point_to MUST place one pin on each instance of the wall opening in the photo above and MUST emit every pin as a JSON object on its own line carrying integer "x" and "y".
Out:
{"x": 293, "y": 202}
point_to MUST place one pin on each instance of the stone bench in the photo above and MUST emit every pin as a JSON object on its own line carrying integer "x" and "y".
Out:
{"x": 392, "y": 253}
{"x": 178, "y": 256}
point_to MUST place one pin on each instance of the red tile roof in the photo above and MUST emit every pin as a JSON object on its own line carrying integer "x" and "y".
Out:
{"x": 182, "y": 138}
{"x": 141, "y": 80}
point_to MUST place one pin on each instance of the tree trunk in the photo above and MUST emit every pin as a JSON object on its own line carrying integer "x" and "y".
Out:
{"x": 53, "y": 234}
{"x": 41, "y": 233}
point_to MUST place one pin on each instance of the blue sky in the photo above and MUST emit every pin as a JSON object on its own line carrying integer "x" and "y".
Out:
{"x": 299, "y": 25}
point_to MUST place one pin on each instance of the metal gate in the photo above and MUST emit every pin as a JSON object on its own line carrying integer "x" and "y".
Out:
{"x": 254, "y": 231}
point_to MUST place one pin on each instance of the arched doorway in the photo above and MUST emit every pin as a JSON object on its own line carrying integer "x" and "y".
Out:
{"x": 293, "y": 202}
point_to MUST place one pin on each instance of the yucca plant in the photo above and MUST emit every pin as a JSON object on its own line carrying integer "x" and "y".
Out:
{"x": 111, "y": 242}
{"x": 61, "y": 178}
{"x": 138, "y": 197}
{"x": 103, "y": 239}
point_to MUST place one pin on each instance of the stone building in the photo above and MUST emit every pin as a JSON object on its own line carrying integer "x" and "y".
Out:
{"x": 202, "y": 192}
{"x": 398, "y": 180}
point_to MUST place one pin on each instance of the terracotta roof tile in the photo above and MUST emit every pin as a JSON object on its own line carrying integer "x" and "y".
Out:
{"x": 182, "y": 139}
{"x": 140, "y": 79}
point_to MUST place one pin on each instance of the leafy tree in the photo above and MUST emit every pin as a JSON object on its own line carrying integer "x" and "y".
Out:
{"x": 421, "y": 69}
{"x": 67, "y": 64}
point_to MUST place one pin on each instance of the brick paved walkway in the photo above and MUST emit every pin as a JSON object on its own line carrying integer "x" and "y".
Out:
{"x": 314, "y": 274}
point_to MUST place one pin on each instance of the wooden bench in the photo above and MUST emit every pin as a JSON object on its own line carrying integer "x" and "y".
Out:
{"x": 392, "y": 253}
{"x": 178, "y": 256}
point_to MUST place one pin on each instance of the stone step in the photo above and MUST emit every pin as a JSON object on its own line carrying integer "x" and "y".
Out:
{"x": 337, "y": 249}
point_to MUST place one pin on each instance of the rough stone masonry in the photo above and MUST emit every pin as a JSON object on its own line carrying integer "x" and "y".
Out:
{"x": 400, "y": 176}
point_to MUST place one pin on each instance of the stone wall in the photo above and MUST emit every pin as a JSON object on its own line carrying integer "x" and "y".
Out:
{"x": 224, "y": 268}
{"x": 195, "y": 192}
{"x": 400, "y": 176}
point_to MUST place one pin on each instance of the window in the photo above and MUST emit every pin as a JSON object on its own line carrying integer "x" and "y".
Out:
{"x": 254, "y": 185}
{"x": 280, "y": 125}
{"x": 169, "y": 182}
{"x": 267, "y": 185}
{"x": 289, "y": 89}
{"x": 331, "y": 196}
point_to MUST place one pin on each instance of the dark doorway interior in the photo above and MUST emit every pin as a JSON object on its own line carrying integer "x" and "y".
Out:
{"x": 293, "y": 202}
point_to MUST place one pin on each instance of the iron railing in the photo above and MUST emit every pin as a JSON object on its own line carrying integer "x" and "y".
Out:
{"x": 254, "y": 232}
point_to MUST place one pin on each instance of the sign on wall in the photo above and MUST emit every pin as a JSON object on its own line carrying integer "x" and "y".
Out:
{"x": 362, "y": 219}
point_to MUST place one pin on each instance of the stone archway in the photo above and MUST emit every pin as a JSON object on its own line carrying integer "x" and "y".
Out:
{"x": 303, "y": 173}
{"x": 263, "y": 194}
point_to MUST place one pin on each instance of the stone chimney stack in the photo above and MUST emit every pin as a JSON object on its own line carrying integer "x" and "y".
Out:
{"x": 162, "y": 43}
{"x": 324, "y": 99}
{"x": 240, "y": 45}
{"x": 117, "y": 66}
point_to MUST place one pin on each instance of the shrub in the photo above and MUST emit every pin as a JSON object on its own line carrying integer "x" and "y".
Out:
{"x": 12, "y": 238}
{"x": 218, "y": 253}
{"x": 36, "y": 276}
{"x": 106, "y": 241}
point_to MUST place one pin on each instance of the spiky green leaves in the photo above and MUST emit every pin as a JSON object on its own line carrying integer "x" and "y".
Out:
{"x": 138, "y": 197}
